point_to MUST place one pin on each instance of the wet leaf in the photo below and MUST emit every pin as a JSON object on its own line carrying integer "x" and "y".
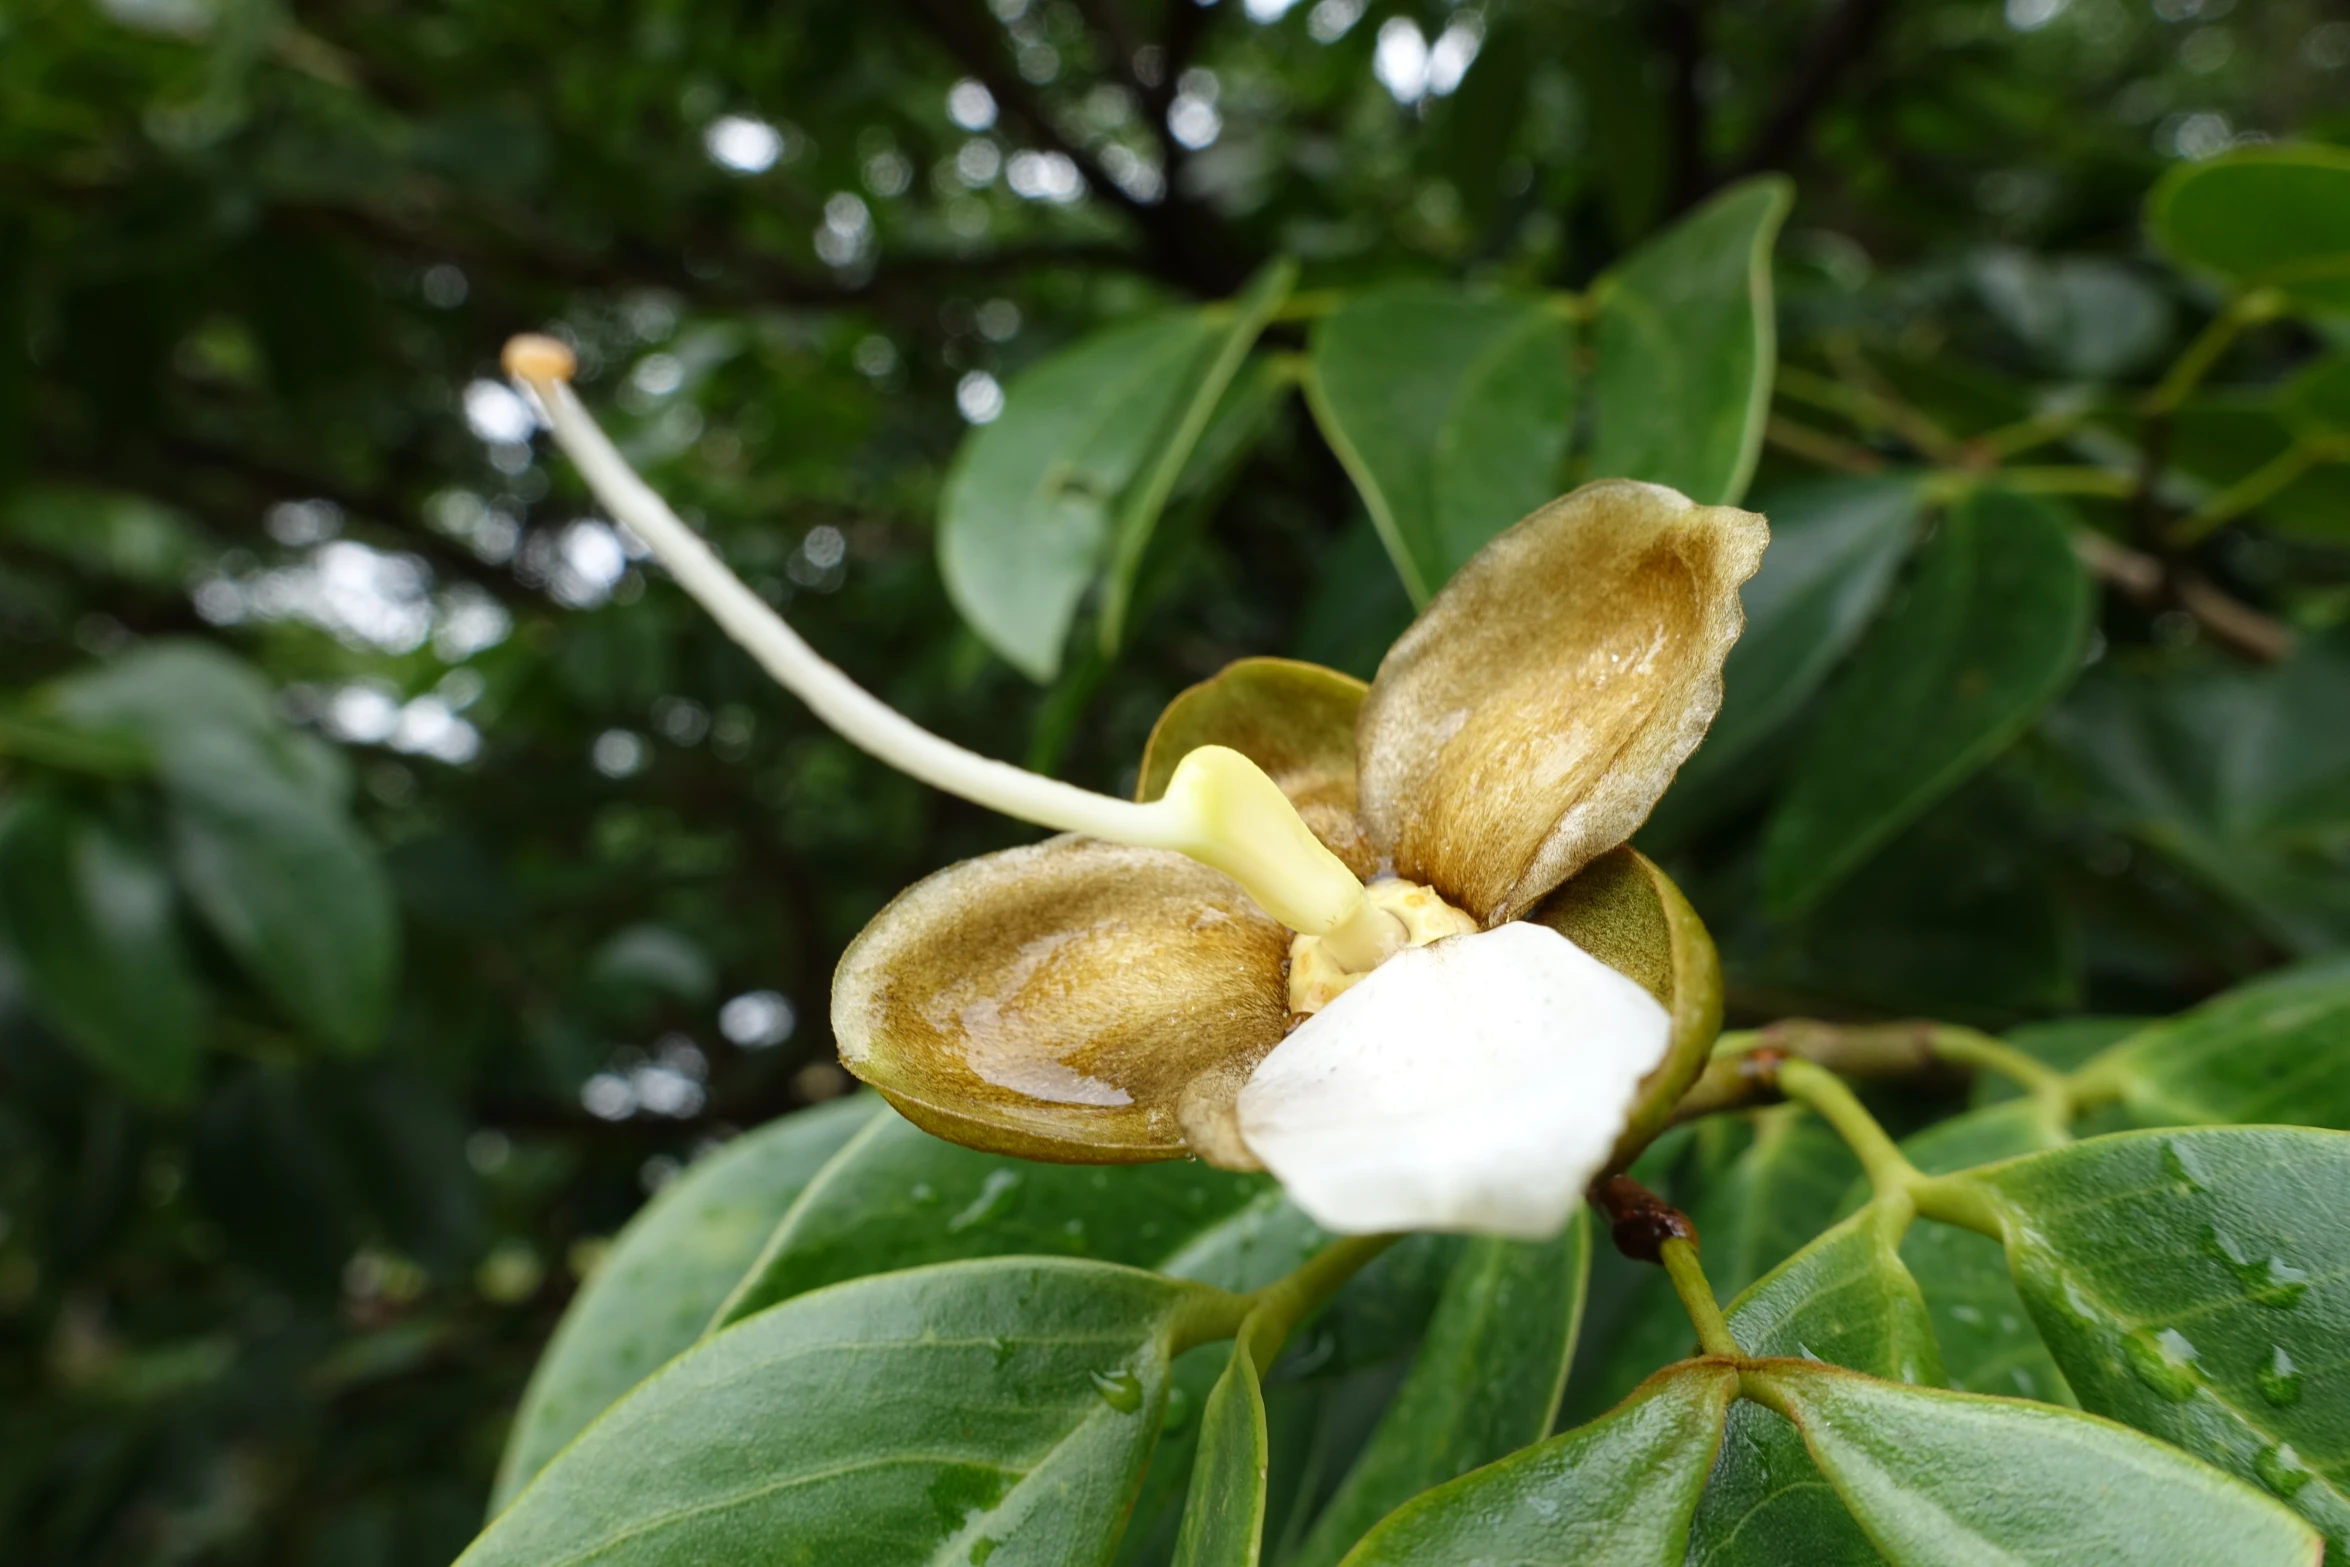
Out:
{"x": 1451, "y": 412}
{"x": 1224, "y": 1516}
{"x": 1618, "y": 1491}
{"x": 1943, "y": 1479}
{"x": 914, "y": 1415}
{"x": 1985, "y": 635}
{"x": 2272, "y": 1050}
{"x": 1685, "y": 347}
{"x": 2196, "y": 1285}
{"x": 655, "y": 1289}
{"x": 1486, "y": 1381}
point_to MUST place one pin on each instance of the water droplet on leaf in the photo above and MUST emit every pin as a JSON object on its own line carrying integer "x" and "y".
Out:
{"x": 1120, "y": 1389}
{"x": 994, "y": 1199}
{"x": 2164, "y": 1361}
{"x": 2182, "y": 1164}
{"x": 2280, "y": 1380}
{"x": 2281, "y": 1470}
{"x": 1177, "y": 1411}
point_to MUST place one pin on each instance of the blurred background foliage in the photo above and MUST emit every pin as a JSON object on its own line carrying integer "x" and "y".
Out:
{"x": 453, "y": 882}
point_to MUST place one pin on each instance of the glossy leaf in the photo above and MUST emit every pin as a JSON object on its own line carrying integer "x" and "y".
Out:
{"x": 1685, "y": 346}
{"x": 2196, "y": 1285}
{"x": 1618, "y": 1491}
{"x": 655, "y": 1289}
{"x": 1029, "y": 506}
{"x": 910, "y": 1416}
{"x": 1451, "y": 412}
{"x": 1943, "y": 1479}
{"x": 1486, "y": 1381}
{"x": 1224, "y": 1516}
{"x": 1986, "y": 1336}
{"x": 1987, "y": 633}
{"x": 1846, "y": 1300}
{"x": 1139, "y": 508}
{"x": 2273, "y": 1050}
{"x": 2262, "y": 216}
{"x": 1834, "y": 547}
{"x": 88, "y": 912}
{"x": 2239, "y": 777}
{"x": 893, "y": 1196}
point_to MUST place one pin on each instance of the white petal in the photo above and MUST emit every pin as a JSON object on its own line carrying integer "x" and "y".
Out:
{"x": 1475, "y": 1084}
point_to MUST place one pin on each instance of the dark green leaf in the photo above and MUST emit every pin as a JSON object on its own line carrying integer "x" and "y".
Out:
{"x": 1986, "y": 635}
{"x": 1028, "y": 507}
{"x": 1224, "y": 1517}
{"x": 2275, "y": 1050}
{"x": 1451, "y": 412}
{"x": 1943, "y": 1479}
{"x": 909, "y": 1417}
{"x": 1486, "y": 1381}
{"x": 2274, "y": 216}
{"x": 89, "y": 913}
{"x": 1618, "y": 1491}
{"x": 2196, "y": 1285}
{"x": 1834, "y": 547}
{"x": 2240, "y": 777}
{"x": 1685, "y": 348}
{"x": 893, "y": 1196}
{"x": 288, "y": 886}
{"x": 655, "y": 1289}
{"x": 1139, "y": 509}
{"x": 1844, "y": 1299}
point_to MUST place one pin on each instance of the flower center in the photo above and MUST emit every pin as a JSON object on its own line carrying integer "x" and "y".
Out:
{"x": 1219, "y": 808}
{"x": 1419, "y": 916}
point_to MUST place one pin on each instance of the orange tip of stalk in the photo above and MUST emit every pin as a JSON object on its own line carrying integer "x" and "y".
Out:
{"x": 535, "y": 358}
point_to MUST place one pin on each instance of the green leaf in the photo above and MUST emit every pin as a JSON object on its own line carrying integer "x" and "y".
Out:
{"x": 1844, "y": 1299}
{"x": 2262, "y": 217}
{"x": 1224, "y": 1517}
{"x": 2272, "y": 1050}
{"x": 893, "y": 1196}
{"x": 1486, "y": 1381}
{"x": 1618, "y": 1491}
{"x": 1029, "y": 504}
{"x": 262, "y": 839}
{"x": 1450, "y": 411}
{"x": 2240, "y": 777}
{"x": 1987, "y": 633}
{"x": 288, "y": 886}
{"x": 995, "y": 1411}
{"x": 1944, "y": 1479}
{"x": 2196, "y": 1285}
{"x": 1138, "y": 511}
{"x": 1986, "y": 1336}
{"x": 1685, "y": 347}
{"x": 89, "y": 914}
{"x": 1834, "y": 547}
{"x": 655, "y": 1289}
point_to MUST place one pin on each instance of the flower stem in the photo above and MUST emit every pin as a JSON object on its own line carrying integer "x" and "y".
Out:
{"x": 1697, "y": 1298}
{"x": 1220, "y": 808}
{"x": 1275, "y": 1311}
{"x": 1825, "y": 1094}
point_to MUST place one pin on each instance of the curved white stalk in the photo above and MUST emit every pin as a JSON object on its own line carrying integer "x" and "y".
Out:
{"x": 1219, "y": 808}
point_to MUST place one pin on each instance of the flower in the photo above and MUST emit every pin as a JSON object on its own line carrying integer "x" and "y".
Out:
{"x": 1081, "y": 1000}
{"x": 1509, "y": 1008}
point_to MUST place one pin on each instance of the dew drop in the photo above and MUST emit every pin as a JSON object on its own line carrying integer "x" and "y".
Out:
{"x": 2280, "y": 1380}
{"x": 1120, "y": 1389}
{"x": 2270, "y": 1280}
{"x": 981, "y": 1549}
{"x": 993, "y": 1200}
{"x": 1004, "y": 1350}
{"x": 2281, "y": 1470}
{"x": 2182, "y": 1164}
{"x": 2164, "y": 1361}
{"x": 1177, "y": 1411}
{"x": 923, "y": 1194}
